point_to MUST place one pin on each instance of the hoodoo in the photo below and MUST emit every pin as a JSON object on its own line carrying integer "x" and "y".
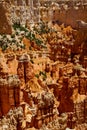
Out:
{"x": 43, "y": 65}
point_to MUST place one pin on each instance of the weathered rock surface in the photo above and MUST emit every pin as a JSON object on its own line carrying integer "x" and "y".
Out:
{"x": 5, "y": 26}
{"x": 52, "y": 90}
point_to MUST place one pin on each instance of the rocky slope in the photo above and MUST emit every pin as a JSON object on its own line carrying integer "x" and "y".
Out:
{"x": 43, "y": 77}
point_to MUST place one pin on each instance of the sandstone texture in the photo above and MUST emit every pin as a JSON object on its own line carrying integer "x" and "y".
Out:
{"x": 43, "y": 66}
{"x": 5, "y": 26}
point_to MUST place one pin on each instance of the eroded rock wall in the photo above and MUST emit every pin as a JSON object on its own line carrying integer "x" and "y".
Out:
{"x": 5, "y": 26}
{"x": 69, "y": 17}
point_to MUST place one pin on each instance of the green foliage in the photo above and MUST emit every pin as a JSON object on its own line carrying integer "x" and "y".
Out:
{"x": 15, "y": 39}
{"x": 37, "y": 75}
{"x": 13, "y": 36}
{"x": 43, "y": 74}
{"x": 15, "y": 26}
{"x": 4, "y": 47}
{"x": 43, "y": 28}
{"x": 31, "y": 36}
{"x": 18, "y": 26}
{"x": 38, "y": 42}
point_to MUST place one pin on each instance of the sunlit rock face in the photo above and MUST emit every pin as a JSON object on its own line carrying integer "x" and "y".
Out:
{"x": 9, "y": 94}
{"x": 66, "y": 12}
{"x": 70, "y": 16}
{"x": 5, "y": 26}
{"x": 43, "y": 68}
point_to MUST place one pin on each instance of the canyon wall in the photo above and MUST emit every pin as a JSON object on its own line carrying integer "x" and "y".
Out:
{"x": 29, "y": 12}
{"x": 5, "y": 26}
{"x": 69, "y": 17}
